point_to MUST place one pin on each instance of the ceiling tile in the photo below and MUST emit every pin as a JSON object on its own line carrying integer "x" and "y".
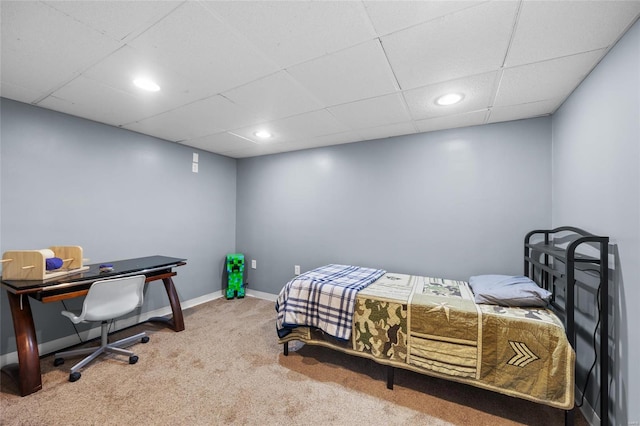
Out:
{"x": 477, "y": 90}
{"x": 452, "y": 121}
{"x": 391, "y": 16}
{"x": 356, "y": 73}
{"x": 19, "y": 93}
{"x": 548, "y": 29}
{"x": 115, "y": 107}
{"x": 220, "y": 142}
{"x": 551, "y": 79}
{"x": 518, "y": 112}
{"x": 388, "y": 109}
{"x": 291, "y": 32}
{"x": 328, "y": 140}
{"x": 211, "y": 115}
{"x": 119, "y": 70}
{"x": 387, "y": 131}
{"x": 255, "y": 151}
{"x": 275, "y": 96}
{"x": 303, "y": 126}
{"x": 320, "y": 141}
{"x": 195, "y": 43}
{"x": 116, "y": 19}
{"x": 469, "y": 42}
{"x": 315, "y": 73}
{"x": 36, "y": 37}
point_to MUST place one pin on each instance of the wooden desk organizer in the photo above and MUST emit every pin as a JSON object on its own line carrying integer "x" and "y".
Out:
{"x": 30, "y": 264}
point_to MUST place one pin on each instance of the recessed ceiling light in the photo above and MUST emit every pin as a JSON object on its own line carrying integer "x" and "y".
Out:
{"x": 146, "y": 84}
{"x": 263, "y": 134}
{"x": 449, "y": 99}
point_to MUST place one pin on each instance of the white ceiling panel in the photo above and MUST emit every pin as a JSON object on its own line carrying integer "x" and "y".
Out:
{"x": 116, "y": 19}
{"x": 208, "y": 116}
{"x": 42, "y": 48}
{"x": 199, "y": 46}
{"x": 257, "y": 149}
{"x": 388, "y": 17}
{"x": 275, "y": 96}
{"x": 75, "y": 98}
{"x": 544, "y": 80}
{"x": 220, "y": 142}
{"x": 313, "y": 73}
{"x": 388, "y": 131}
{"x": 308, "y": 125}
{"x": 290, "y": 32}
{"x": 119, "y": 70}
{"x": 599, "y": 23}
{"x": 335, "y": 139}
{"x": 18, "y": 93}
{"x": 517, "y": 112}
{"x": 469, "y": 42}
{"x": 356, "y": 73}
{"x": 477, "y": 90}
{"x": 475, "y": 118}
{"x": 374, "y": 112}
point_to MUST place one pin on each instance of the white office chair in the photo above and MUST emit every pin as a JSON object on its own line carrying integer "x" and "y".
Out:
{"x": 106, "y": 300}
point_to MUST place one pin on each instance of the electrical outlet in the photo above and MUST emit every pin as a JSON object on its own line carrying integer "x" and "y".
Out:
{"x": 254, "y": 264}
{"x": 296, "y": 269}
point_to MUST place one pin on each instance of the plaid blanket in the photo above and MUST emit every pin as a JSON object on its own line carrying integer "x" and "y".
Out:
{"x": 324, "y": 298}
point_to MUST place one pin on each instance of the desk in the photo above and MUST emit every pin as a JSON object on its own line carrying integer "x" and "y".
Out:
{"x": 27, "y": 372}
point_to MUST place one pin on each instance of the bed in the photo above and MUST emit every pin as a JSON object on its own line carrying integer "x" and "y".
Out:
{"x": 435, "y": 326}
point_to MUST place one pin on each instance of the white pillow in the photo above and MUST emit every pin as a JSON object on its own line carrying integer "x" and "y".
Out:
{"x": 506, "y": 290}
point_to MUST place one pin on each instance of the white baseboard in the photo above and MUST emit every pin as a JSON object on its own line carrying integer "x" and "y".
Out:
{"x": 587, "y": 411}
{"x": 197, "y": 301}
{"x": 262, "y": 295}
{"x": 67, "y": 341}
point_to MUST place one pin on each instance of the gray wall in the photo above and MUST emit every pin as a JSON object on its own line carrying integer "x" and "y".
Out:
{"x": 118, "y": 194}
{"x": 596, "y": 186}
{"x": 450, "y": 204}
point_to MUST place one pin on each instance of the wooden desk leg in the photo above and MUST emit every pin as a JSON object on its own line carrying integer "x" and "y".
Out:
{"x": 27, "y": 373}
{"x": 177, "y": 322}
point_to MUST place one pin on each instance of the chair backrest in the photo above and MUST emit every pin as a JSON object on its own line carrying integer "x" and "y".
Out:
{"x": 108, "y": 299}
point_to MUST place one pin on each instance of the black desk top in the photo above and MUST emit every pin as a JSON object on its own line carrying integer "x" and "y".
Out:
{"x": 140, "y": 265}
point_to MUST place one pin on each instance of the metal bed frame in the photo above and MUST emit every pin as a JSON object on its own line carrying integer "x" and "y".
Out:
{"x": 543, "y": 261}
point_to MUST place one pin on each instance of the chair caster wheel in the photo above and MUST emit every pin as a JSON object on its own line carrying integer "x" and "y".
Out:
{"x": 73, "y": 377}
{"x": 133, "y": 359}
{"x": 145, "y": 339}
{"x": 58, "y": 361}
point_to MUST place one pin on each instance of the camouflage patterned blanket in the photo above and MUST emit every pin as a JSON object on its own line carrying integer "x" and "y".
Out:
{"x": 433, "y": 326}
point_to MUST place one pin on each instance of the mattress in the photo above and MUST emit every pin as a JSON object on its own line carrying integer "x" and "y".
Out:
{"x": 433, "y": 326}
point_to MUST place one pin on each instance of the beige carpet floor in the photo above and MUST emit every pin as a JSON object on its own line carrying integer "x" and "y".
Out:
{"x": 227, "y": 368}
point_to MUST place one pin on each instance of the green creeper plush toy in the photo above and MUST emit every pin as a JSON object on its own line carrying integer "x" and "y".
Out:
{"x": 235, "y": 272}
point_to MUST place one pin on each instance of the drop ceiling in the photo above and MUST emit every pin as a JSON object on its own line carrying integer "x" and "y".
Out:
{"x": 311, "y": 73}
